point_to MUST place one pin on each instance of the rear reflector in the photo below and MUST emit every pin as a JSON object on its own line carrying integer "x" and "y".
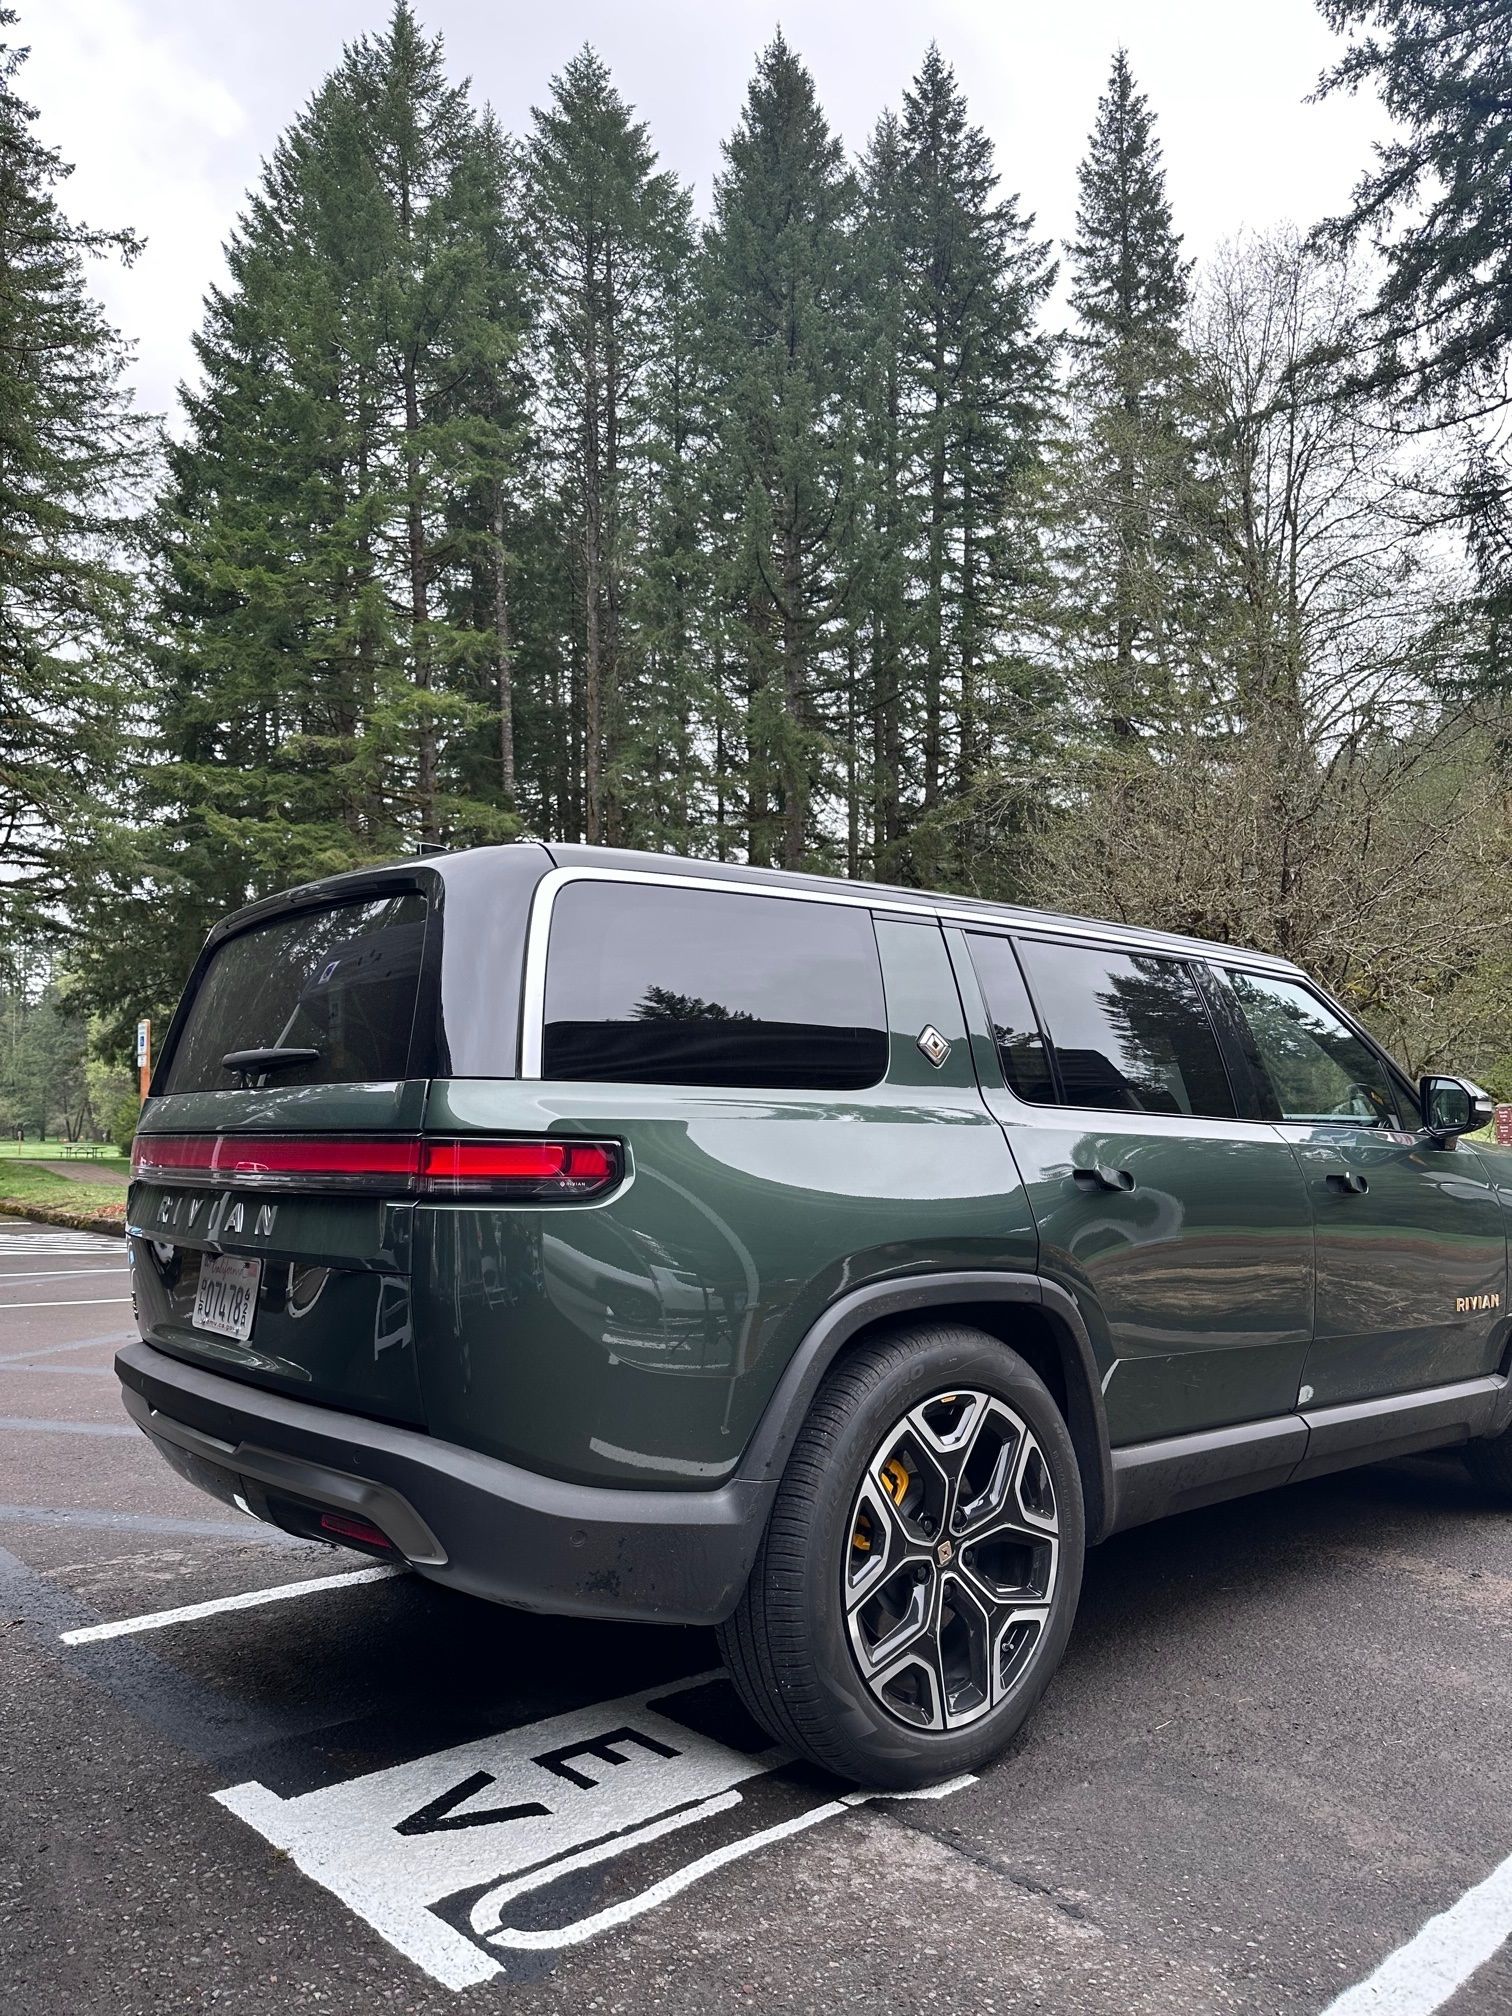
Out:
{"x": 346, "y": 1527}
{"x": 562, "y": 1167}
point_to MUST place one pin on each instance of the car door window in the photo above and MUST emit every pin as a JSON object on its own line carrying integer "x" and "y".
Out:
{"x": 1020, "y": 1046}
{"x": 1128, "y": 1031}
{"x": 656, "y": 984}
{"x": 1318, "y": 1068}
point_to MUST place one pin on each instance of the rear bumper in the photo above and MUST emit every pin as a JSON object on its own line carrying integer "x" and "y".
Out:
{"x": 468, "y": 1520}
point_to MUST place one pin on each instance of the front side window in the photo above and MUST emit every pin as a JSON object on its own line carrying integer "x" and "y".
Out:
{"x": 660, "y": 985}
{"x": 1129, "y": 1031}
{"x": 1020, "y": 1046}
{"x": 1318, "y": 1068}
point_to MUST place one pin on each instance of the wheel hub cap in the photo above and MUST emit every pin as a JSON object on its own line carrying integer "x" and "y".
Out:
{"x": 951, "y": 1562}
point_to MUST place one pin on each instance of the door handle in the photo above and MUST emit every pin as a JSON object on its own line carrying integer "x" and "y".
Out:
{"x": 1348, "y": 1182}
{"x": 1102, "y": 1177}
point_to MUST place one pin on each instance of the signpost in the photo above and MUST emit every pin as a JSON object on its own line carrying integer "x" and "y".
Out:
{"x": 1504, "y": 1126}
{"x": 144, "y": 1056}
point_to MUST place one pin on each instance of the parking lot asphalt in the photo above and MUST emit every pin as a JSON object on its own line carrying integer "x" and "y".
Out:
{"x": 1278, "y": 1746}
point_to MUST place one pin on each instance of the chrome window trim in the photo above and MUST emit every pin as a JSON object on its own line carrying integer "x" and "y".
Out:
{"x": 1022, "y": 923}
{"x": 533, "y": 991}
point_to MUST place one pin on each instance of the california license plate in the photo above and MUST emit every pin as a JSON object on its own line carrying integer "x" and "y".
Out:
{"x": 225, "y": 1301}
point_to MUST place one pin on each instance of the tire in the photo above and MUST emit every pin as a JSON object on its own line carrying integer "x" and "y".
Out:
{"x": 959, "y": 1627}
{"x": 1489, "y": 1462}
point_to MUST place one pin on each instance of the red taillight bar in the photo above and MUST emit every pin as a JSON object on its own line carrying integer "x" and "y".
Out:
{"x": 518, "y": 1168}
{"x": 559, "y": 1168}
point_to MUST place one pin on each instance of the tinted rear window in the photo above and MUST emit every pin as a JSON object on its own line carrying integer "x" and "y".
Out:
{"x": 341, "y": 981}
{"x": 670, "y": 986}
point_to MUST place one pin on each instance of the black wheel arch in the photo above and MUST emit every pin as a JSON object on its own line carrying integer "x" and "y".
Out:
{"x": 1037, "y": 1318}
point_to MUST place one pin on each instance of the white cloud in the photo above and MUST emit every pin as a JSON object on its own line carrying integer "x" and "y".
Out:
{"x": 159, "y": 141}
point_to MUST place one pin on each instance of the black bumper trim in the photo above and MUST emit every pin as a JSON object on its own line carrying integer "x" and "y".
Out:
{"x": 489, "y": 1527}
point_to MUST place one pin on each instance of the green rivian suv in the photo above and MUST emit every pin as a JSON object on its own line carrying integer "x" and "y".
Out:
{"x": 615, "y": 1234}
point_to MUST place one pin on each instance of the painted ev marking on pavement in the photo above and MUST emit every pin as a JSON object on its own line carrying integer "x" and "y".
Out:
{"x": 465, "y": 1855}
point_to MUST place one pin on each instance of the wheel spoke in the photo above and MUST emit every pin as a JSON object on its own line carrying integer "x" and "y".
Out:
{"x": 878, "y": 1541}
{"x": 1014, "y": 1642}
{"x": 897, "y": 1617}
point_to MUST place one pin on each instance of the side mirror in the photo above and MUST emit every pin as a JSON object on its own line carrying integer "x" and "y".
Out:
{"x": 1453, "y": 1106}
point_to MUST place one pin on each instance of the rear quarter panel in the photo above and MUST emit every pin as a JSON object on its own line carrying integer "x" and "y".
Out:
{"x": 638, "y": 1341}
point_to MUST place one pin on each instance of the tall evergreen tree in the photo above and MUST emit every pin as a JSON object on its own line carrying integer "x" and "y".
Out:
{"x": 606, "y": 224}
{"x": 783, "y": 497}
{"x": 889, "y": 518}
{"x": 1130, "y": 474}
{"x": 666, "y": 700}
{"x": 979, "y": 371}
{"x": 70, "y": 449}
{"x": 1434, "y": 209}
{"x": 328, "y": 652}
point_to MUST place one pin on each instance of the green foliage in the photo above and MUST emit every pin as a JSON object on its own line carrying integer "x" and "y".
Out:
{"x": 1131, "y": 509}
{"x": 70, "y": 449}
{"x": 783, "y": 478}
{"x": 612, "y": 242}
{"x": 508, "y": 499}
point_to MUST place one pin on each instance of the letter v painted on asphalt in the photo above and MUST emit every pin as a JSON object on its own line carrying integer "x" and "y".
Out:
{"x": 570, "y": 1793}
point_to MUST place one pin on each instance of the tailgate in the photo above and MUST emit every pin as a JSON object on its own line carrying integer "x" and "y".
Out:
{"x": 266, "y": 1240}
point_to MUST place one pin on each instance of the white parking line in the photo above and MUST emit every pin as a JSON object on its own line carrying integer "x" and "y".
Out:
{"x": 527, "y": 1939}
{"x": 89, "y": 1302}
{"x": 61, "y": 1273}
{"x": 1421, "y": 1976}
{"x": 59, "y": 1350}
{"x": 155, "y": 1620}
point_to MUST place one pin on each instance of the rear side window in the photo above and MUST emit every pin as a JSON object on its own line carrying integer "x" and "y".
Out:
{"x": 341, "y": 981}
{"x": 1129, "y": 1031}
{"x": 670, "y": 986}
{"x": 1020, "y": 1046}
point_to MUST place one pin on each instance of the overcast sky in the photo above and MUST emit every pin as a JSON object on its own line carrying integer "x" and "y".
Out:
{"x": 167, "y": 106}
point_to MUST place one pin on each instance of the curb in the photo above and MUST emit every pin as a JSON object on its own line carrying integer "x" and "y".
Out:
{"x": 59, "y": 1214}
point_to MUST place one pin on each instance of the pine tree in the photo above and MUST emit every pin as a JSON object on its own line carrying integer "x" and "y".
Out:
{"x": 780, "y": 339}
{"x": 1130, "y": 482}
{"x": 332, "y": 674}
{"x": 981, "y": 395}
{"x": 604, "y": 220}
{"x": 70, "y": 451}
{"x": 890, "y": 542}
{"x": 1438, "y": 336}
{"x": 666, "y": 697}
{"x": 435, "y": 177}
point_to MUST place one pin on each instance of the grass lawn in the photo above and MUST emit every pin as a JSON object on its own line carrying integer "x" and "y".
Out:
{"x": 56, "y": 1151}
{"x": 24, "y": 1183}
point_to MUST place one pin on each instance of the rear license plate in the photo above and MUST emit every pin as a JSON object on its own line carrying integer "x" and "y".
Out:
{"x": 225, "y": 1301}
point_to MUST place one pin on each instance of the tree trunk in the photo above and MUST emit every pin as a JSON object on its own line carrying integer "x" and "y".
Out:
{"x": 502, "y": 632}
{"x": 794, "y": 763}
{"x": 935, "y": 673}
{"x": 425, "y": 740}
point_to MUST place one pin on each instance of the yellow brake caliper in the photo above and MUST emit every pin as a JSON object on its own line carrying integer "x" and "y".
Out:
{"x": 895, "y": 1484}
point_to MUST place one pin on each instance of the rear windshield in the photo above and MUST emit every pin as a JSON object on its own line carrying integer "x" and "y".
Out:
{"x": 341, "y": 981}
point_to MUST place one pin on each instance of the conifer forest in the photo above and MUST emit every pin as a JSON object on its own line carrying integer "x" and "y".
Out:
{"x": 847, "y": 524}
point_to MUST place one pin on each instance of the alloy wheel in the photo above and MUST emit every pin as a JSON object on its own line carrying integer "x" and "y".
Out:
{"x": 951, "y": 1560}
